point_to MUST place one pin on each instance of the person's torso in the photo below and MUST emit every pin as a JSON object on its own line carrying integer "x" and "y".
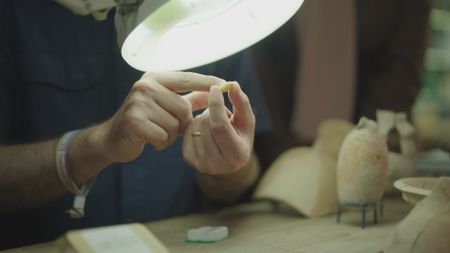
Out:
{"x": 68, "y": 75}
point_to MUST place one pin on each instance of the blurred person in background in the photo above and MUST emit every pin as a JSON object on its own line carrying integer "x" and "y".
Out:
{"x": 341, "y": 59}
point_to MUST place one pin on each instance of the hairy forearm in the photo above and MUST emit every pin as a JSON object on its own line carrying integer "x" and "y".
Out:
{"x": 28, "y": 175}
{"x": 229, "y": 188}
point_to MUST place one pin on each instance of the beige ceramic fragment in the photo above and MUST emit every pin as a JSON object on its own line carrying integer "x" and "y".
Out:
{"x": 406, "y": 131}
{"x": 331, "y": 134}
{"x": 435, "y": 236}
{"x": 426, "y": 228}
{"x": 415, "y": 189}
{"x": 386, "y": 121}
{"x": 401, "y": 165}
{"x": 362, "y": 164}
{"x": 305, "y": 178}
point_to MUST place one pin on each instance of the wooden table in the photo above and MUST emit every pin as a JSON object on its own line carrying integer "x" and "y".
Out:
{"x": 260, "y": 227}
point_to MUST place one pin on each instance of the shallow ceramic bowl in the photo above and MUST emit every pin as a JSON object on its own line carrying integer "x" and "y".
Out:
{"x": 415, "y": 189}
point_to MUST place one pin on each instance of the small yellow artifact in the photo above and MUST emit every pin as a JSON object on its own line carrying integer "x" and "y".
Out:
{"x": 227, "y": 86}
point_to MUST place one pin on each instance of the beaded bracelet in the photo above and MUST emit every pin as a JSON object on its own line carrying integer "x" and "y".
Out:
{"x": 65, "y": 175}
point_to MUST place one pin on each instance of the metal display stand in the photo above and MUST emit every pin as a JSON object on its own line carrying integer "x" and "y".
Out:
{"x": 363, "y": 206}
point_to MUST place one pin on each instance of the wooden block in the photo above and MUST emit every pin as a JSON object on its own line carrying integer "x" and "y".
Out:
{"x": 112, "y": 239}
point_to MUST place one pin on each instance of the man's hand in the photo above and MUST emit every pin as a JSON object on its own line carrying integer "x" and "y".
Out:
{"x": 153, "y": 113}
{"x": 217, "y": 141}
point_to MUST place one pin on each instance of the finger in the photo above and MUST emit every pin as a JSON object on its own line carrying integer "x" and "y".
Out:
{"x": 166, "y": 121}
{"x": 199, "y": 147}
{"x": 242, "y": 110}
{"x": 232, "y": 148}
{"x": 222, "y": 131}
{"x": 194, "y": 149}
{"x": 179, "y": 109}
{"x": 189, "y": 153}
{"x": 171, "y": 102}
{"x": 151, "y": 133}
{"x": 212, "y": 162}
{"x": 200, "y": 100}
{"x": 197, "y": 99}
{"x": 216, "y": 106}
{"x": 184, "y": 81}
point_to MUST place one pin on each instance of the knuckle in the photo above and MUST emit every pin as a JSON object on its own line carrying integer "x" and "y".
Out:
{"x": 163, "y": 138}
{"x": 135, "y": 103}
{"x": 185, "y": 80}
{"x": 133, "y": 109}
{"x": 144, "y": 86}
{"x": 132, "y": 118}
{"x": 173, "y": 127}
{"x": 219, "y": 128}
{"x": 140, "y": 85}
{"x": 176, "y": 125}
{"x": 161, "y": 142}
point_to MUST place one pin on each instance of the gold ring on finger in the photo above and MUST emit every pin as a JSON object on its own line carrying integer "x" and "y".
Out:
{"x": 196, "y": 133}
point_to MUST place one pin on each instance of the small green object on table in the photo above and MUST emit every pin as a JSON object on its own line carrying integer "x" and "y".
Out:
{"x": 207, "y": 234}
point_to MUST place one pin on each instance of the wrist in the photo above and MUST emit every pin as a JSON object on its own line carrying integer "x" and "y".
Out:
{"x": 66, "y": 168}
{"x": 88, "y": 154}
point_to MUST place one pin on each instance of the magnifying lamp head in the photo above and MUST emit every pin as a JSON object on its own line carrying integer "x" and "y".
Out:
{"x": 184, "y": 34}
